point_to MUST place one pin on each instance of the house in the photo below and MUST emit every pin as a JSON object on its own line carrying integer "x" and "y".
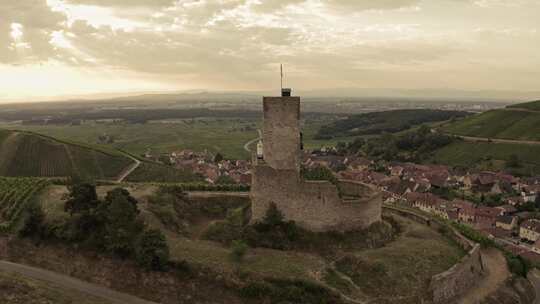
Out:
{"x": 515, "y": 200}
{"x": 530, "y": 230}
{"x": 506, "y": 209}
{"x": 485, "y": 217}
{"x": 466, "y": 210}
{"x": 506, "y": 222}
{"x": 501, "y": 187}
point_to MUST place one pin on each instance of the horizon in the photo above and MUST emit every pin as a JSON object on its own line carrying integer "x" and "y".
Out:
{"x": 61, "y": 49}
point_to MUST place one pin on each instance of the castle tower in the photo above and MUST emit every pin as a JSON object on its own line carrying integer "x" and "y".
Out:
{"x": 281, "y": 132}
{"x": 276, "y": 178}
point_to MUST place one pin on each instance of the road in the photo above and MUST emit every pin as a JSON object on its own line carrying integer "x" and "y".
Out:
{"x": 67, "y": 282}
{"x": 534, "y": 278}
{"x": 249, "y": 143}
{"x": 129, "y": 170}
{"x": 494, "y": 140}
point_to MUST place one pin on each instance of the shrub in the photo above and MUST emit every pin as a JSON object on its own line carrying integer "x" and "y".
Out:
{"x": 238, "y": 250}
{"x": 152, "y": 251}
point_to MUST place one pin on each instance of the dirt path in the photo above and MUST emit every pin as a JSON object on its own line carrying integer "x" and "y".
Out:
{"x": 71, "y": 283}
{"x": 534, "y": 278}
{"x": 129, "y": 169}
{"x": 496, "y": 140}
{"x": 497, "y": 273}
{"x": 519, "y": 110}
{"x": 249, "y": 143}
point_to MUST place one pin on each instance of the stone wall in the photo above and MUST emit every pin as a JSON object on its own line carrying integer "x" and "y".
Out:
{"x": 313, "y": 205}
{"x": 281, "y": 132}
{"x": 447, "y": 286}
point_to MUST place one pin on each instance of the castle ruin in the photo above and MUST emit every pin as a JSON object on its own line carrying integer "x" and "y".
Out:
{"x": 314, "y": 205}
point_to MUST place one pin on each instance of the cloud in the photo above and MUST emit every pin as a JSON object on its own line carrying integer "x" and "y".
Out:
{"x": 125, "y": 3}
{"x": 35, "y": 22}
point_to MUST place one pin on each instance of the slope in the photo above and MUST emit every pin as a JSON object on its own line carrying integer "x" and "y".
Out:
{"x": 29, "y": 154}
{"x": 517, "y": 122}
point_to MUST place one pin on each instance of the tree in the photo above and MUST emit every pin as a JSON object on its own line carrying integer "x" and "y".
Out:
{"x": 82, "y": 197}
{"x": 218, "y": 158}
{"x": 122, "y": 225}
{"x": 152, "y": 251}
{"x": 513, "y": 161}
{"x": 238, "y": 250}
{"x": 273, "y": 216}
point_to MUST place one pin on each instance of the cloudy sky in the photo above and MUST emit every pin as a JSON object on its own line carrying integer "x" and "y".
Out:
{"x": 51, "y": 48}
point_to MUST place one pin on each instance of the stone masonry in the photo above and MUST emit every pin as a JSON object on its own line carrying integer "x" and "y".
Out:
{"x": 314, "y": 205}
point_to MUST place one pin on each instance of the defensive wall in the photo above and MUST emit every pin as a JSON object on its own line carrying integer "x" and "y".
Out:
{"x": 449, "y": 285}
{"x": 314, "y": 205}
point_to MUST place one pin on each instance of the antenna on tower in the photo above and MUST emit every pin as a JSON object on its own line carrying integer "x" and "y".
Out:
{"x": 281, "y": 73}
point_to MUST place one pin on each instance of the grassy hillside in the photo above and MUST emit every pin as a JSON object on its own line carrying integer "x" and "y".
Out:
{"x": 388, "y": 121}
{"x": 490, "y": 156}
{"x": 506, "y": 124}
{"x": 28, "y": 154}
{"x": 161, "y": 174}
{"x": 532, "y": 105}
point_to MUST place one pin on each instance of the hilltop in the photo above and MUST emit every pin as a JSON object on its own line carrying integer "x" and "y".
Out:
{"x": 516, "y": 122}
{"x": 532, "y": 105}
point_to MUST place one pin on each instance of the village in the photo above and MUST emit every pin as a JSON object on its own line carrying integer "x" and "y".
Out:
{"x": 498, "y": 205}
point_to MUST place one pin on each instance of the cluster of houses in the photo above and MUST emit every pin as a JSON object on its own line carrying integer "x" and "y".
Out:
{"x": 418, "y": 185}
{"x": 207, "y": 165}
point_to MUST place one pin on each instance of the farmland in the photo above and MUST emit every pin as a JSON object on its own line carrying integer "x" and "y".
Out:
{"x": 510, "y": 123}
{"x": 224, "y": 135}
{"x": 16, "y": 196}
{"x": 26, "y": 154}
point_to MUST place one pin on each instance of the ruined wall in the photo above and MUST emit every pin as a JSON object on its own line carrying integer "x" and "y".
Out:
{"x": 281, "y": 132}
{"x": 313, "y": 205}
{"x": 447, "y": 286}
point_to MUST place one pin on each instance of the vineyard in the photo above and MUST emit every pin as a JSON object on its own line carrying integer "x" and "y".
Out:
{"x": 16, "y": 195}
{"x": 25, "y": 154}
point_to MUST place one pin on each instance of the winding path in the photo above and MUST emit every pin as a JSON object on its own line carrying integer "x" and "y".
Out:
{"x": 249, "y": 143}
{"x": 129, "y": 170}
{"x": 72, "y": 283}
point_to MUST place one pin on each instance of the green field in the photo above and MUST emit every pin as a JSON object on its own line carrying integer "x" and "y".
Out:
{"x": 490, "y": 156}
{"x": 225, "y": 135}
{"x": 28, "y": 154}
{"x": 505, "y": 124}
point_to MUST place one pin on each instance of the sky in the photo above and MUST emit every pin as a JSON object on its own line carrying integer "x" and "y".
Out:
{"x": 61, "y": 48}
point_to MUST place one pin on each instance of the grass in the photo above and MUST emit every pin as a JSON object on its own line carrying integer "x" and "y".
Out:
{"x": 161, "y": 174}
{"x": 224, "y": 135}
{"x": 490, "y": 156}
{"x": 400, "y": 272}
{"x": 395, "y": 273}
{"x": 504, "y": 124}
{"x": 18, "y": 290}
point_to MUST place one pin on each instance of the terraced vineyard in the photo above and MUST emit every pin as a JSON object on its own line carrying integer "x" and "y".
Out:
{"x": 32, "y": 155}
{"x": 16, "y": 195}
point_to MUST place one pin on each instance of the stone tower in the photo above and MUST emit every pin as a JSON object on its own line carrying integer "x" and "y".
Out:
{"x": 281, "y": 132}
{"x": 276, "y": 178}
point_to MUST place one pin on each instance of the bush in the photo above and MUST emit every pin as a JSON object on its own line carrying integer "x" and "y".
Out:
{"x": 238, "y": 250}
{"x": 152, "y": 251}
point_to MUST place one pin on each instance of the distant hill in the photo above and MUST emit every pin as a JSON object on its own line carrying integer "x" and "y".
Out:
{"x": 387, "y": 121}
{"x": 517, "y": 122}
{"x": 29, "y": 154}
